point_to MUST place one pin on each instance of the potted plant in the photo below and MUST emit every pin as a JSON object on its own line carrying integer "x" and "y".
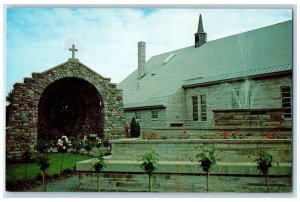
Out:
{"x": 149, "y": 165}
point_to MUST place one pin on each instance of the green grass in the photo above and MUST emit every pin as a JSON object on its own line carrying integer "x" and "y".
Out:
{"x": 16, "y": 171}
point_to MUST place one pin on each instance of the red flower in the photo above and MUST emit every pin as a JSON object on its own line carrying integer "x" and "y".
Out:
{"x": 143, "y": 132}
{"x": 268, "y": 135}
{"x": 46, "y": 174}
{"x": 225, "y": 133}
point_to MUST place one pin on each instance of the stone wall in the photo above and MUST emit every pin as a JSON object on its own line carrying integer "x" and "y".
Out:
{"x": 137, "y": 181}
{"x": 23, "y": 119}
{"x": 217, "y": 132}
{"x": 184, "y": 150}
{"x": 249, "y": 117}
{"x": 235, "y": 171}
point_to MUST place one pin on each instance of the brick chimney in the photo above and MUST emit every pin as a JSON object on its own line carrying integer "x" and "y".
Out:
{"x": 141, "y": 59}
{"x": 200, "y": 36}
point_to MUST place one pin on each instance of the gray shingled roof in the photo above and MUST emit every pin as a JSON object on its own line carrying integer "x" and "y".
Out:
{"x": 250, "y": 51}
{"x": 241, "y": 74}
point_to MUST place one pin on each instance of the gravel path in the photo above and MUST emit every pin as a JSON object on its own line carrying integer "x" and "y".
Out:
{"x": 69, "y": 184}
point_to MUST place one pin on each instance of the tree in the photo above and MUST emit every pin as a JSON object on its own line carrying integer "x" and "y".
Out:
{"x": 27, "y": 157}
{"x": 99, "y": 162}
{"x": 207, "y": 161}
{"x": 138, "y": 129}
{"x": 149, "y": 165}
{"x": 264, "y": 163}
{"x": 77, "y": 145}
{"x": 43, "y": 162}
{"x": 62, "y": 146}
{"x": 134, "y": 128}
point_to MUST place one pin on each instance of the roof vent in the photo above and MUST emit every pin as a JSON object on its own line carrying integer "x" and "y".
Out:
{"x": 168, "y": 58}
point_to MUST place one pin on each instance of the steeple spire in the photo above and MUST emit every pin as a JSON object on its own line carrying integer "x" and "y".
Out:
{"x": 200, "y": 36}
{"x": 200, "y": 25}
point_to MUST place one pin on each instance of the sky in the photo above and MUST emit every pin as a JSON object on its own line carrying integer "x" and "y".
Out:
{"x": 37, "y": 39}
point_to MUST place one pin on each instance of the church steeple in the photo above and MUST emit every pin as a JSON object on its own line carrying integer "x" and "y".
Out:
{"x": 200, "y": 35}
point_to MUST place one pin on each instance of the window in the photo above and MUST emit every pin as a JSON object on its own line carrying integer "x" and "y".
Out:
{"x": 154, "y": 113}
{"x": 138, "y": 115}
{"x": 195, "y": 108}
{"x": 286, "y": 101}
{"x": 176, "y": 124}
{"x": 203, "y": 108}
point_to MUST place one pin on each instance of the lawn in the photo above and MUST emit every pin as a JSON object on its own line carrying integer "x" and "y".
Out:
{"x": 16, "y": 171}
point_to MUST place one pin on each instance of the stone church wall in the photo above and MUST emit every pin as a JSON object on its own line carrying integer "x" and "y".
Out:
{"x": 23, "y": 119}
{"x": 178, "y": 111}
{"x": 176, "y": 108}
{"x": 147, "y": 123}
{"x": 219, "y": 97}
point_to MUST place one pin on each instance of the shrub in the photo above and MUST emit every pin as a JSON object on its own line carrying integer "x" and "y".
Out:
{"x": 55, "y": 175}
{"x": 42, "y": 146}
{"x": 63, "y": 144}
{"x": 67, "y": 171}
{"x": 134, "y": 128}
{"x": 106, "y": 142}
{"x": 77, "y": 145}
{"x": 88, "y": 147}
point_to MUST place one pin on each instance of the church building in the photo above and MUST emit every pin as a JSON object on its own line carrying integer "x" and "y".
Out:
{"x": 185, "y": 88}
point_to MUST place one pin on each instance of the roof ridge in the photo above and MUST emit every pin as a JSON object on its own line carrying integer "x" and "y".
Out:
{"x": 222, "y": 38}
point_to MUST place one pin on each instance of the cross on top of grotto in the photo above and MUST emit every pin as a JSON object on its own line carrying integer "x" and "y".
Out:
{"x": 73, "y": 50}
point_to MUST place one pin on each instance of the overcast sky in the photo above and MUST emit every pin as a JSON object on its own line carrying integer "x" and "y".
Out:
{"x": 39, "y": 38}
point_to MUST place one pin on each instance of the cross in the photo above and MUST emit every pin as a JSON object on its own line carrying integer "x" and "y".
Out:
{"x": 73, "y": 51}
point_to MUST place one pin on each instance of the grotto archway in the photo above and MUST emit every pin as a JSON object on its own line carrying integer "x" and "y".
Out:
{"x": 70, "y": 106}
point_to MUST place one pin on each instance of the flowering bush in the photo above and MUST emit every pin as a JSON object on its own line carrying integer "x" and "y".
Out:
{"x": 63, "y": 144}
{"x": 149, "y": 136}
